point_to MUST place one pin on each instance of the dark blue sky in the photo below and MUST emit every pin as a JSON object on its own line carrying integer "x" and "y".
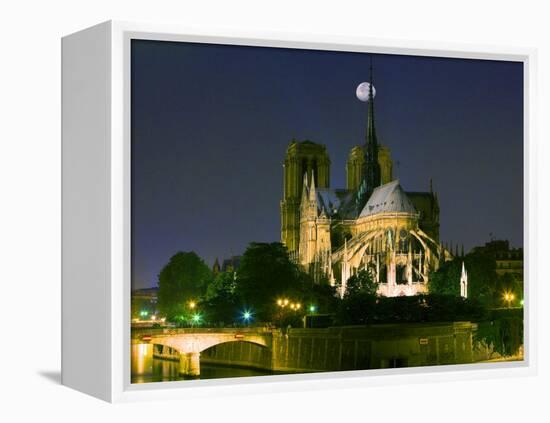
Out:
{"x": 211, "y": 123}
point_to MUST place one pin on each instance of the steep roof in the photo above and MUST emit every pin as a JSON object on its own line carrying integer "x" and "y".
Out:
{"x": 389, "y": 197}
{"x": 334, "y": 201}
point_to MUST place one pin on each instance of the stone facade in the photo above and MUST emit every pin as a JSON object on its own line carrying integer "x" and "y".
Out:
{"x": 302, "y": 158}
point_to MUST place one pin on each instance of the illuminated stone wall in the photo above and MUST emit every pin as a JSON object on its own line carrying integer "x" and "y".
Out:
{"x": 353, "y": 348}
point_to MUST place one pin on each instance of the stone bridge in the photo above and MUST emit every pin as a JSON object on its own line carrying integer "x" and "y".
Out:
{"x": 189, "y": 342}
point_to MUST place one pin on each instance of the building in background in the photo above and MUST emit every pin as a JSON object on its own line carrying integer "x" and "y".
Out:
{"x": 144, "y": 303}
{"x": 228, "y": 265}
{"x": 507, "y": 260}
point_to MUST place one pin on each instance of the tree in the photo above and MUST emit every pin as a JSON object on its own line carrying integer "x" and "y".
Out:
{"x": 482, "y": 278}
{"x": 220, "y": 302}
{"x": 266, "y": 274}
{"x": 183, "y": 279}
{"x": 359, "y": 302}
{"x": 361, "y": 308}
{"x": 224, "y": 284}
{"x": 322, "y": 296}
{"x": 511, "y": 284}
{"x": 446, "y": 280}
{"x": 356, "y": 309}
{"x": 361, "y": 282}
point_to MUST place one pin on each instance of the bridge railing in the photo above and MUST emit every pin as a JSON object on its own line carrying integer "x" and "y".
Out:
{"x": 139, "y": 332}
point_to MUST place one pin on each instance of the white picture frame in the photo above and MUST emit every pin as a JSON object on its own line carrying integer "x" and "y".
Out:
{"x": 96, "y": 213}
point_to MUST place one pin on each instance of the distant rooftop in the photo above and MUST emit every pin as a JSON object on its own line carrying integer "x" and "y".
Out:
{"x": 145, "y": 292}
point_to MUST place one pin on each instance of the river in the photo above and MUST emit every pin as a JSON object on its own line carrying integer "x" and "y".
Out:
{"x": 145, "y": 368}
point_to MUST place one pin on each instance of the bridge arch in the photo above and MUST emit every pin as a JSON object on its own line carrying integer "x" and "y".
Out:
{"x": 190, "y": 345}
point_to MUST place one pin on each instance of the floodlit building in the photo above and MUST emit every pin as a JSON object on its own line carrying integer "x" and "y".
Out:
{"x": 372, "y": 224}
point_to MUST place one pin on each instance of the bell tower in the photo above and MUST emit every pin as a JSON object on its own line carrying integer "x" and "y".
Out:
{"x": 302, "y": 158}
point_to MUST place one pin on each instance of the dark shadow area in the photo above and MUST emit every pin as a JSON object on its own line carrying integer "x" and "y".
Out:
{"x": 53, "y": 376}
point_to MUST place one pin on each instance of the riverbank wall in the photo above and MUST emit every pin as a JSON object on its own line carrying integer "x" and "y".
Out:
{"x": 352, "y": 348}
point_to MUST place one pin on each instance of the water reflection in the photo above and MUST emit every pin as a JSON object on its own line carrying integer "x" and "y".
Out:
{"x": 145, "y": 368}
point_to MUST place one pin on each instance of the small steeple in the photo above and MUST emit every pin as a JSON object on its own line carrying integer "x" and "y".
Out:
{"x": 464, "y": 282}
{"x": 312, "y": 191}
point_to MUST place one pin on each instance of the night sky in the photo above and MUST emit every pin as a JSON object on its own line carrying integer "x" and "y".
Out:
{"x": 211, "y": 123}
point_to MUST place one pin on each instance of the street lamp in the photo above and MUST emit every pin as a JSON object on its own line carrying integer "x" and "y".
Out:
{"x": 509, "y": 297}
{"x": 295, "y": 306}
{"x": 247, "y": 316}
{"x": 192, "y": 305}
{"x": 196, "y": 319}
{"x": 284, "y": 302}
{"x": 312, "y": 309}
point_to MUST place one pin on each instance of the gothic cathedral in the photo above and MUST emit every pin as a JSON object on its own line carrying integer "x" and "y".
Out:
{"x": 372, "y": 224}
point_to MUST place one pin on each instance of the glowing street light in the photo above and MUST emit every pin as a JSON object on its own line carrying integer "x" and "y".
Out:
{"x": 192, "y": 305}
{"x": 246, "y": 316}
{"x": 295, "y": 306}
{"x": 284, "y": 302}
{"x": 509, "y": 297}
{"x": 312, "y": 309}
{"x": 196, "y": 318}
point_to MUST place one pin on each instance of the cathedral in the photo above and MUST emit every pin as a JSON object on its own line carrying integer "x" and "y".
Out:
{"x": 372, "y": 224}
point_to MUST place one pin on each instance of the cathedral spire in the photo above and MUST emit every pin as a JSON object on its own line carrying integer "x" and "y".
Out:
{"x": 372, "y": 167}
{"x": 304, "y": 180}
{"x": 312, "y": 191}
{"x": 305, "y": 189}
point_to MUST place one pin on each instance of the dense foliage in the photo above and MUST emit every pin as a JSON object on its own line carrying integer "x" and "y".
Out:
{"x": 361, "y": 283}
{"x": 482, "y": 278}
{"x": 220, "y": 304}
{"x": 182, "y": 280}
{"x": 502, "y": 331}
{"x": 266, "y": 274}
{"x": 362, "y": 309}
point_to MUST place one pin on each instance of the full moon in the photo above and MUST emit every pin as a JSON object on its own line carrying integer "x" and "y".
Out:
{"x": 363, "y": 91}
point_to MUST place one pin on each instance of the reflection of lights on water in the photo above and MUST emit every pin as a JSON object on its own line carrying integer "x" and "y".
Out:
{"x": 143, "y": 349}
{"x": 142, "y": 359}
